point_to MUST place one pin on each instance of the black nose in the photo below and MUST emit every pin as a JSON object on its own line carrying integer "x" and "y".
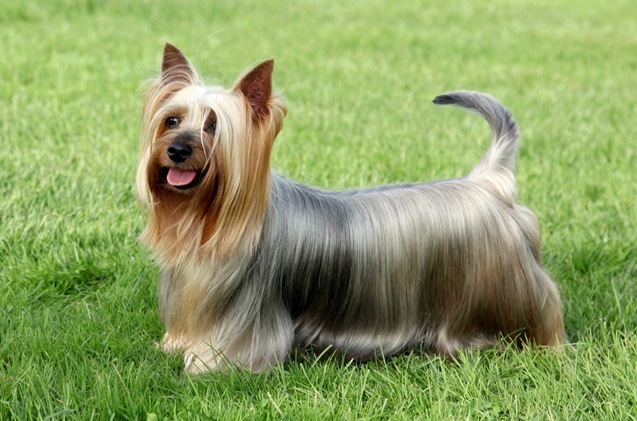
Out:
{"x": 178, "y": 152}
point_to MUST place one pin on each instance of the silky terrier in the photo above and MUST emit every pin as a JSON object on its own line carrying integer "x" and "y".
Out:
{"x": 253, "y": 264}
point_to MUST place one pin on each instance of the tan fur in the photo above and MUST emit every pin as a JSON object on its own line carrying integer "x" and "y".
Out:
{"x": 207, "y": 223}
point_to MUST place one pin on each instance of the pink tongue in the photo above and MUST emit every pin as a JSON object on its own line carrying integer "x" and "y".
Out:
{"x": 177, "y": 177}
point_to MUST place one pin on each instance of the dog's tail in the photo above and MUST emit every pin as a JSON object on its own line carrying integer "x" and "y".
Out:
{"x": 498, "y": 163}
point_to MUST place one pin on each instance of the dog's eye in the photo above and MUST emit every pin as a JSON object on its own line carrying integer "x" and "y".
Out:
{"x": 172, "y": 122}
{"x": 211, "y": 127}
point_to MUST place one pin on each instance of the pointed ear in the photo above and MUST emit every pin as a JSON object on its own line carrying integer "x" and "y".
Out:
{"x": 175, "y": 66}
{"x": 256, "y": 86}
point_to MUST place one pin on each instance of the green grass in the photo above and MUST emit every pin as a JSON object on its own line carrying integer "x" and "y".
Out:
{"x": 77, "y": 293}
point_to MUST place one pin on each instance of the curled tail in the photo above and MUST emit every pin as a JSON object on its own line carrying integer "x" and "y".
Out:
{"x": 497, "y": 166}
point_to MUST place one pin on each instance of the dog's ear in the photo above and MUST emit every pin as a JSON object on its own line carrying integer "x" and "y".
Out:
{"x": 256, "y": 86}
{"x": 175, "y": 66}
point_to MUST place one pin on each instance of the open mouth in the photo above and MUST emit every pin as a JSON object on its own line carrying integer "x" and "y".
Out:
{"x": 181, "y": 179}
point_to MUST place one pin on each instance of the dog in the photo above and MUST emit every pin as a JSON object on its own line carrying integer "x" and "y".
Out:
{"x": 253, "y": 264}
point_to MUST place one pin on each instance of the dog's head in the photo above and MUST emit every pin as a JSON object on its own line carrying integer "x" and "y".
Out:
{"x": 203, "y": 169}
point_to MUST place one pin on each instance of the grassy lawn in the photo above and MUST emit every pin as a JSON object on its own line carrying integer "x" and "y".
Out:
{"x": 78, "y": 317}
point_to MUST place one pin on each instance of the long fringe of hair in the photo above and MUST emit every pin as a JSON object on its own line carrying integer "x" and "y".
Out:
{"x": 227, "y": 213}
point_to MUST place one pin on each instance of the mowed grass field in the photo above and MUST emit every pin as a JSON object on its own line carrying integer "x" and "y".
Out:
{"x": 78, "y": 318}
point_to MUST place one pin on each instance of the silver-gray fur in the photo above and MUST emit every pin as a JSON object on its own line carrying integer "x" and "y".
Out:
{"x": 445, "y": 265}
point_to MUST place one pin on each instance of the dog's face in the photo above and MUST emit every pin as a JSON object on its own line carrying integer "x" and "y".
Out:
{"x": 205, "y": 152}
{"x": 182, "y": 155}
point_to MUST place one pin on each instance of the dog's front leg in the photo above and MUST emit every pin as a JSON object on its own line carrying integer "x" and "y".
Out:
{"x": 266, "y": 342}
